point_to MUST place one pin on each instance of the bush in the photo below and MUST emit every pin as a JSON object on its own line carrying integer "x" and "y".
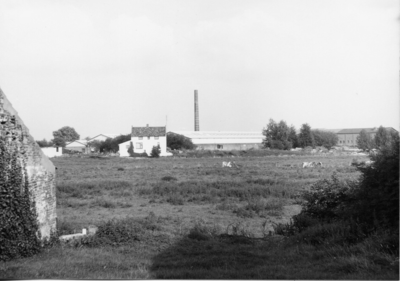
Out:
{"x": 375, "y": 201}
{"x": 325, "y": 199}
{"x": 155, "y": 151}
{"x": 349, "y": 212}
{"x": 130, "y": 149}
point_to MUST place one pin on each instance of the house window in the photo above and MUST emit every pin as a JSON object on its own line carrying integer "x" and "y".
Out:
{"x": 220, "y": 146}
{"x": 156, "y": 138}
{"x": 158, "y": 143}
{"x": 140, "y": 138}
{"x": 139, "y": 145}
{"x": 127, "y": 146}
{"x": 83, "y": 150}
{"x": 57, "y": 149}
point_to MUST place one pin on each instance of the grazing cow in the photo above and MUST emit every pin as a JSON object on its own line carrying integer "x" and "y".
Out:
{"x": 311, "y": 164}
{"x": 226, "y": 164}
{"x": 308, "y": 164}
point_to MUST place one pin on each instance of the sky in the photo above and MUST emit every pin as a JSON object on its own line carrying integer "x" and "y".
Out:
{"x": 103, "y": 66}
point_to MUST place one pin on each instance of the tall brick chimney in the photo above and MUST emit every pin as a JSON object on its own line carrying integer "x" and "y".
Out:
{"x": 196, "y": 112}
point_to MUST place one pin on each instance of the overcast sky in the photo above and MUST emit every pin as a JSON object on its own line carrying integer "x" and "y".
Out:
{"x": 104, "y": 66}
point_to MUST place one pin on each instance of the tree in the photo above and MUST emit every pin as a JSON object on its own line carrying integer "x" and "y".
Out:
{"x": 384, "y": 138}
{"x": 277, "y": 135}
{"x": 95, "y": 145}
{"x": 364, "y": 141}
{"x": 293, "y": 137}
{"x": 112, "y": 145}
{"x": 44, "y": 143}
{"x": 325, "y": 139}
{"x": 306, "y": 137}
{"x": 130, "y": 149}
{"x": 155, "y": 151}
{"x": 175, "y": 141}
{"x": 58, "y": 141}
{"x": 64, "y": 135}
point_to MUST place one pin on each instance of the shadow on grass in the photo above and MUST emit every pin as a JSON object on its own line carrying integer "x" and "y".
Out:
{"x": 239, "y": 257}
{"x": 223, "y": 257}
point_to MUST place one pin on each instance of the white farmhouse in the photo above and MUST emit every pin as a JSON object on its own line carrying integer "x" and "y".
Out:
{"x": 144, "y": 138}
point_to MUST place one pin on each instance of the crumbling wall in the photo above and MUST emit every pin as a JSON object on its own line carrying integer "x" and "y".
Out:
{"x": 40, "y": 170}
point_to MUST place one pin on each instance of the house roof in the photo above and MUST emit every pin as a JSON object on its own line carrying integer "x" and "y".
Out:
{"x": 148, "y": 131}
{"x": 82, "y": 142}
{"x": 220, "y": 134}
{"x": 106, "y": 135}
{"x": 357, "y": 130}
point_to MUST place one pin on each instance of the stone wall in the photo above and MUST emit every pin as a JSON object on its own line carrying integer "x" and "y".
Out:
{"x": 40, "y": 170}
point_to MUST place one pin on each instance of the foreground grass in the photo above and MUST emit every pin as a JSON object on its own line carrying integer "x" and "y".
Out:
{"x": 174, "y": 195}
{"x": 203, "y": 253}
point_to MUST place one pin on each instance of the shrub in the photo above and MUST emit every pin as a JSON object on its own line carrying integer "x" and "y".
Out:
{"x": 339, "y": 232}
{"x": 155, "y": 151}
{"x": 325, "y": 198}
{"x": 375, "y": 201}
{"x": 130, "y": 149}
{"x": 126, "y": 231}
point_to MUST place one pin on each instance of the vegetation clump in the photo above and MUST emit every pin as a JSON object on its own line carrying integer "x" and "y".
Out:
{"x": 18, "y": 219}
{"x": 155, "y": 151}
{"x": 178, "y": 142}
{"x": 350, "y": 212}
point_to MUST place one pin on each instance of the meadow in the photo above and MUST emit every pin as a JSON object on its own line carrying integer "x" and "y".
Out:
{"x": 190, "y": 218}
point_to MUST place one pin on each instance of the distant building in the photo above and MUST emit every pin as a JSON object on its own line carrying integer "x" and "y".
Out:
{"x": 348, "y": 137}
{"x": 52, "y": 151}
{"x": 223, "y": 140}
{"x": 143, "y": 139}
{"x": 78, "y": 145}
{"x": 103, "y": 137}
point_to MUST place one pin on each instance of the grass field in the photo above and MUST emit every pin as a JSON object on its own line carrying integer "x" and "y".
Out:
{"x": 190, "y": 218}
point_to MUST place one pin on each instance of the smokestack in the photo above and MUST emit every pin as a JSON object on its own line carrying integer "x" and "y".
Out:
{"x": 196, "y": 112}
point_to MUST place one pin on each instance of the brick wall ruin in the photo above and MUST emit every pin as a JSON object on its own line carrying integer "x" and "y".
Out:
{"x": 40, "y": 170}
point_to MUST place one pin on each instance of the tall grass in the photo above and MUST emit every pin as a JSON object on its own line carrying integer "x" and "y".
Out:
{"x": 208, "y": 191}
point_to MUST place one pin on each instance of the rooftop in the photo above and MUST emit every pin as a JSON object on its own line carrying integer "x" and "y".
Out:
{"x": 148, "y": 131}
{"x": 219, "y": 134}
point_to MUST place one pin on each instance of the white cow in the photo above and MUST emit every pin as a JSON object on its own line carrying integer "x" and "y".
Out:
{"x": 226, "y": 164}
{"x": 311, "y": 164}
{"x": 307, "y": 165}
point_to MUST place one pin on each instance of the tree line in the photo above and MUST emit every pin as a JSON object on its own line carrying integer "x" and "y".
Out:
{"x": 281, "y": 136}
{"x": 278, "y": 135}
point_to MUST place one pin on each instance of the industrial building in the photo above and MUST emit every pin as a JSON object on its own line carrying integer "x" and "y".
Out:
{"x": 223, "y": 140}
{"x": 348, "y": 137}
{"x": 219, "y": 140}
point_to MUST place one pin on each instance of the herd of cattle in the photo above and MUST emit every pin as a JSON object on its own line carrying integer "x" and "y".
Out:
{"x": 231, "y": 164}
